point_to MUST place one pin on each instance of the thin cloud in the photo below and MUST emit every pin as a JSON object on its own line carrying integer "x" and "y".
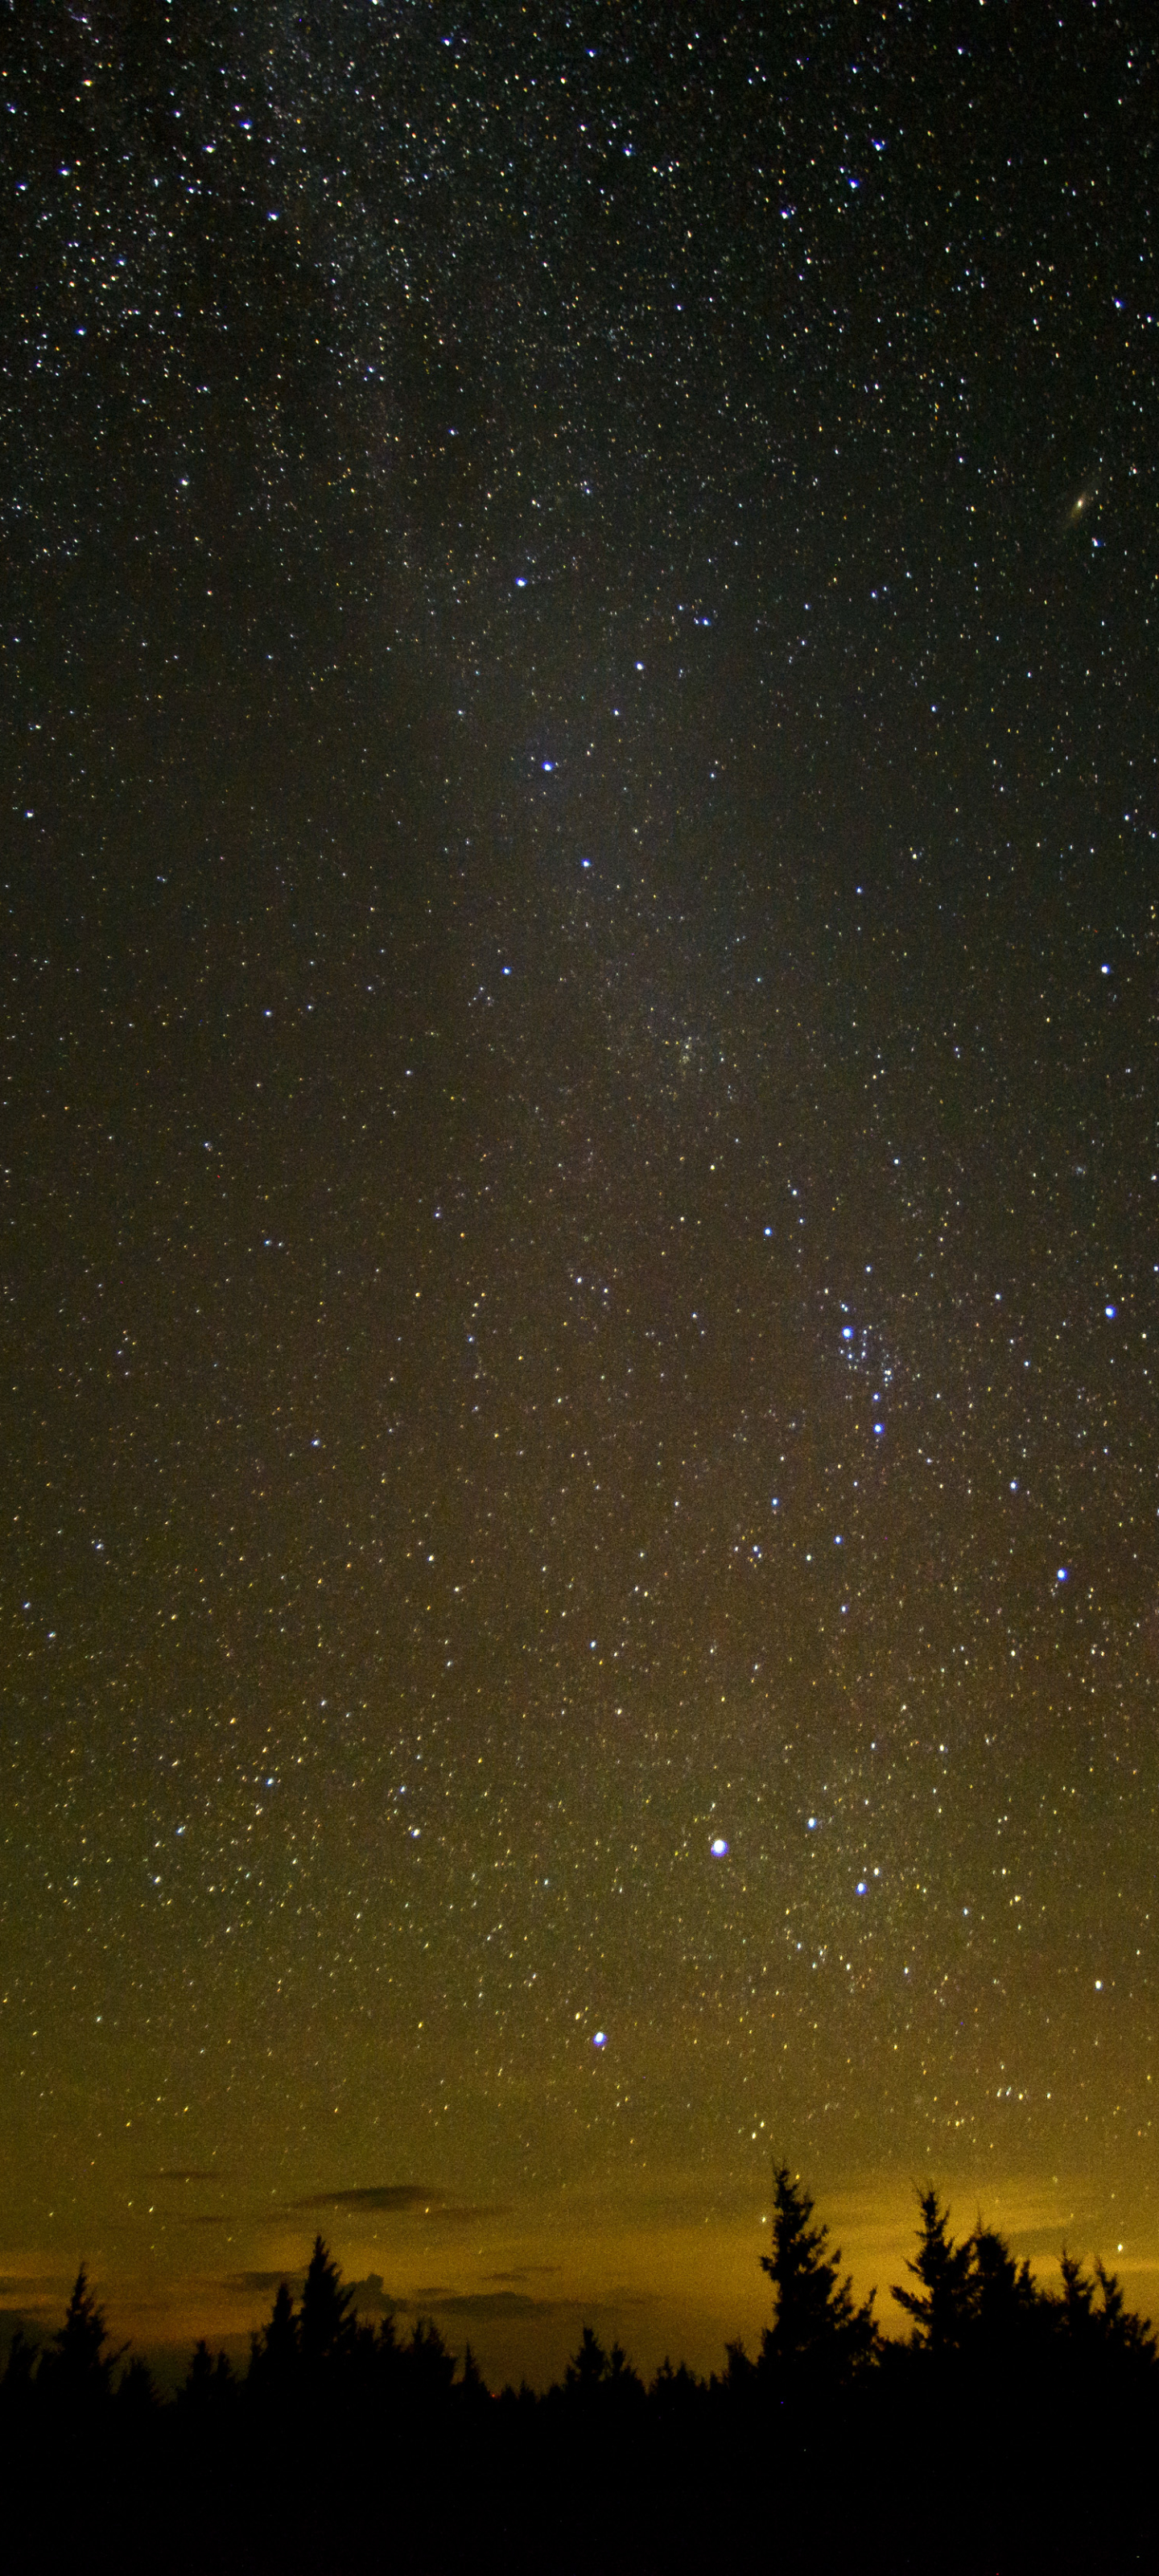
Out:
{"x": 400, "y": 2200}
{"x": 249, "y": 2282}
{"x": 370, "y": 2299}
{"x": 497, "y": 2305}
{"x": 527, "y": 2272}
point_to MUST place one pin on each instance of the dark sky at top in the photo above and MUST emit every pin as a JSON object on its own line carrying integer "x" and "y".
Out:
{"x": 580, "y": 1246}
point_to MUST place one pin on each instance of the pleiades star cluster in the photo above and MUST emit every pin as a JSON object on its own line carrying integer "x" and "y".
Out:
{"x": 581, "y": 1219}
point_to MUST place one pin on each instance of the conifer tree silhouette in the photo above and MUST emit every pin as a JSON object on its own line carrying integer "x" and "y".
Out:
{"x": 325, "y": 2330}
{"x": 1122, "y": 2334}
{"x": 1078, "y": 2297}
{"x": 137, "y": 2398}
{"x": 1005, "y": 2299}
{"x": 673, "y": 2392}
{"x": 210, "y": 2383}
{"x": 430, "y": 2367}
{"x": 274, "y": 2352}
{"x": 1030, "y": 2376}
{"x": 624, "y": 2385}
{"x": 17, "y": 2389}
{"x": 471, "y": 2385}
{"x": 76, "y": 2365}
{"x": 199, "y": 2379}
{"x": 588, "y": 2367}
{"x": 740, "y": 2371}
{"x": 941, "y": 2308}
{"x": 818, "y": 2331}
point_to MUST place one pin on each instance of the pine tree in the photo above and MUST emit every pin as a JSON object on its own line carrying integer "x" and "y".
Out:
{"x": 674, "y": 2392}
{"x": 1004, "y": 2297}
{"x": 137, "y": 2398}
{"x": 210, "y": 2384}
{"x": 471, "y": 2386}
{"x": 740, "y": 2371}
{"x": 199, "y": 2378}
{"x": 16, "y": 2385}
{"x": 624, "y": 2384}
{"x": 588, "y": 2367}
{"x": 274, "y": 2352}
{"x": 429, "y": 2367}
{"x": 1123, "y": 2333}
{"x": 76, "y": 2366}
{"x": 818, "y": 2331}
{"x": 325, "y": 2330}
{"x": 942, "y": 2307}
{"x": 1078, "y": 2298}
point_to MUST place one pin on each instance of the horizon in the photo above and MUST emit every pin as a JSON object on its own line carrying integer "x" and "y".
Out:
{"x": 523, "y": 2318}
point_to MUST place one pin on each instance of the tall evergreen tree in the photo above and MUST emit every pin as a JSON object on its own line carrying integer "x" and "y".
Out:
{"x": 818, "y": 2332}
{"x": 1005, "y": 2299}
{"x": 76, "y": 2365}
{"x": 209, "y": 2383}
{"x": 1078, "y": 2298}
{"x": 674, "y": 2393}
{"x": 429, "y": 2367}
{"x": 16, "y": 2385}
{"x": 137, "y": 2398}
{"x": 274, "y": 2352}
{"x": 1121, "y": 2331}
{"x": 325, "y": 2329}
{"x": 941, "y": 2307}
{"x": 624, "y": 2384}
{"x": 588, "y": 2368}
{"x": 471, "y": 2387}
{"x": 740, "y": 2371}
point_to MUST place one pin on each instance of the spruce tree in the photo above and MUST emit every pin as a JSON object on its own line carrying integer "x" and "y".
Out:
{"x": 1005, "y": 2300}
{"x": 588, "y": 2367}
{"x": 471, "y": 2387}
{"x": 941, "y": 2308}
{"x": 274, "y": 2352}
{"x": 819, "y": 2333}
{"x": 325, "y": 2330}
{"x": 76, "y": 2366}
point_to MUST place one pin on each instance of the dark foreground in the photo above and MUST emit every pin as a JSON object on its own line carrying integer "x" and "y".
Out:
{"x": 1017, "y": 2431}
{"x": 936, "y": 2484}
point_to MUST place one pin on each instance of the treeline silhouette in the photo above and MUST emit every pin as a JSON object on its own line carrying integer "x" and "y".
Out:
{"x": 1013, "y": 2429}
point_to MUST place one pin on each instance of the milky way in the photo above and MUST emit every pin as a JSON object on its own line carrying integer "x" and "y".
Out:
{"x": 580, "y": 1262}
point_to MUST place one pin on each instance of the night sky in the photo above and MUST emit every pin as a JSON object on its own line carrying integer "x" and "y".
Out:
{"x": 580, "y": 1257}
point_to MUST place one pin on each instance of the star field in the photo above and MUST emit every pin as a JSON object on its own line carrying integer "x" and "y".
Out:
{"x": 580, "y": 1262}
